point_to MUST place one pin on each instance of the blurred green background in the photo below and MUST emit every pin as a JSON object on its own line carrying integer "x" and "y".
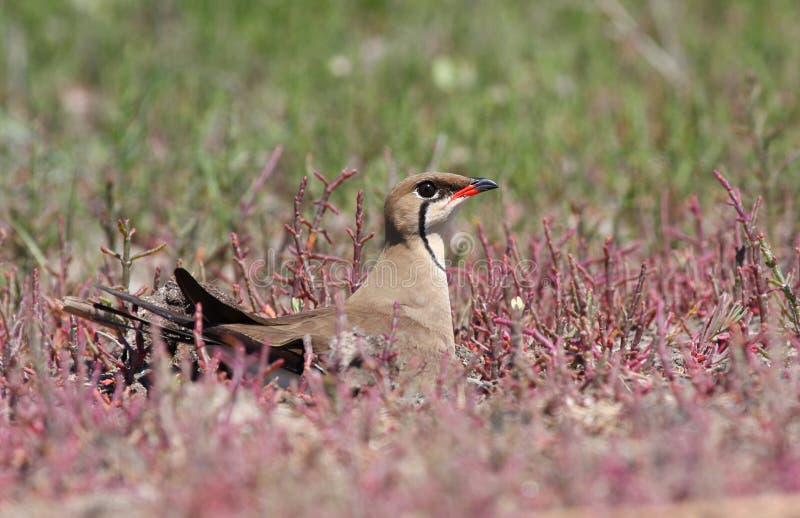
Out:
{"x": 170, "y": 109}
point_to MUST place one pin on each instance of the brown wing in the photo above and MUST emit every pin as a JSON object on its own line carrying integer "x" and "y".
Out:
{"x": 231, "y": 325}
{"x": 285, "y": 340}
{"x": 215, "y": 310}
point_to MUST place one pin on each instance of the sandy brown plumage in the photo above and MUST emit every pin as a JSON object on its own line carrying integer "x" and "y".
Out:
{"x": 408, "y": 282}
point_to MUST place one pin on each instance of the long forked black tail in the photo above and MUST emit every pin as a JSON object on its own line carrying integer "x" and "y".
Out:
{"x": 174, "y": 326}
{"x": 174, "y": 321}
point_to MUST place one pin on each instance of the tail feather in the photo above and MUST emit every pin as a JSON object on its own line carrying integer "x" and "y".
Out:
{"x": 176, "y": 327}
{"x": 166, "y": 331}
{"x": 173, "y": 316}
{"x": 94, "y": 312}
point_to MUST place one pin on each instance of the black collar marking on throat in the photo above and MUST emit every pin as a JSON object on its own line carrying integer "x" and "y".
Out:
{"x": 423, "y": 210}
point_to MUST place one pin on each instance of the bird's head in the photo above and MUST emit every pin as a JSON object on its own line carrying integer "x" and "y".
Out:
{"x": 421, "y": 204}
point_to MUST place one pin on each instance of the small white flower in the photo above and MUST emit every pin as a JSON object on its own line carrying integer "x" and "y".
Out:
{"x": 340, "y": 66}
{"x": 449, "y": 74}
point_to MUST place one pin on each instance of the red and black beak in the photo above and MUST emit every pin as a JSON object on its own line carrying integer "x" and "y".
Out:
{"x": 475, "y": 186}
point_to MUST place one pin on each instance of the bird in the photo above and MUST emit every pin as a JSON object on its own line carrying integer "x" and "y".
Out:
{"x": 407, "y": 290}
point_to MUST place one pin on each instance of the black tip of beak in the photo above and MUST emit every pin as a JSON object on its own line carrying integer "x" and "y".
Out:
{"x": 483, "y": 184}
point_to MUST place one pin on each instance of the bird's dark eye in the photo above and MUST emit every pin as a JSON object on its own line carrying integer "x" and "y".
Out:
{"x": 426, "y": 189}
